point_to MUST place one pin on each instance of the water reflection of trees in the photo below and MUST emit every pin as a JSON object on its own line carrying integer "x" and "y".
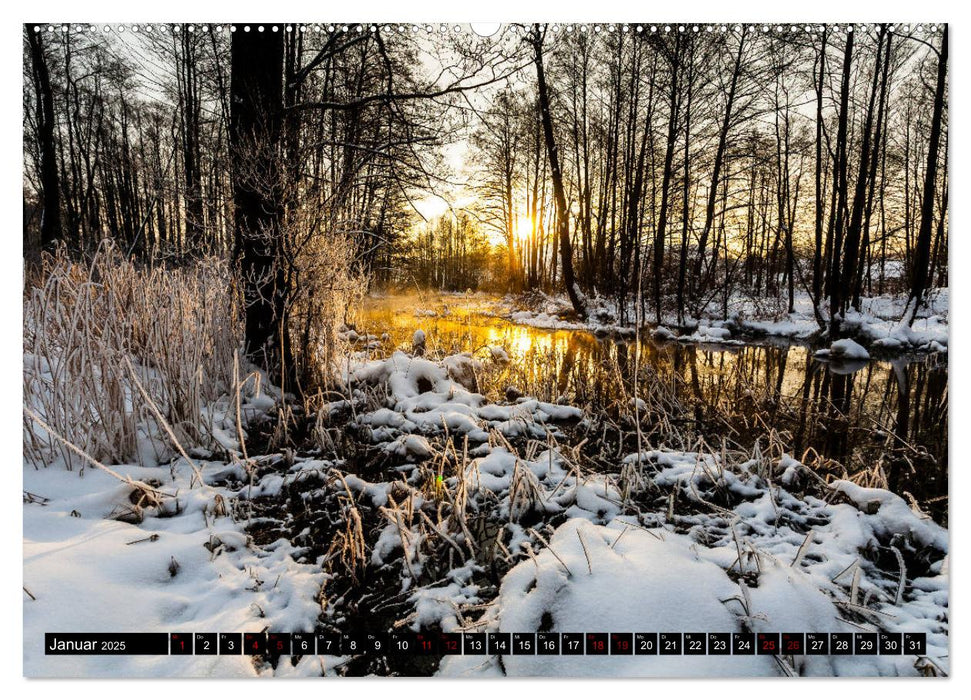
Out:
{"x": 882, "y": 420}
{"x": 886, "y": 419}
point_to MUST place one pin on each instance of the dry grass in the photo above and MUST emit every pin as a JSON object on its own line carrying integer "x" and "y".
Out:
{"x": 117, "y": 355}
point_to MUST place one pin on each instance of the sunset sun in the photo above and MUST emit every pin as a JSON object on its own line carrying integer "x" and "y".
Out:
{"x": 523, "y": 229}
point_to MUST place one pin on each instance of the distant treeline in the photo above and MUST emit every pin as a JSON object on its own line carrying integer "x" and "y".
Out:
{"x": 698, "y": 163}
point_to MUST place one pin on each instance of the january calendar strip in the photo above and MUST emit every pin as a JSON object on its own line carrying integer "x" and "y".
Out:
{"x": 489, "y": 643}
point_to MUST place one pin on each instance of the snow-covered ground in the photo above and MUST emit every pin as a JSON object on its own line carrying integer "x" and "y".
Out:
{"x": 628, "y": 576}
{"x": 190, "y": 571}
{"x": 877, "y": 323}
{"x": 623, "y": 558}
{"x": 467, "y": 488}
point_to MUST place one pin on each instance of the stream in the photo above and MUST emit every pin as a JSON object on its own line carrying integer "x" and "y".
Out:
{"x": 882, "y": 421}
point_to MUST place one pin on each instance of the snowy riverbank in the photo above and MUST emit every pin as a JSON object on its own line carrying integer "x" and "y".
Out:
{"x": 877, "y": 324}
{"x": 448, "y": 512}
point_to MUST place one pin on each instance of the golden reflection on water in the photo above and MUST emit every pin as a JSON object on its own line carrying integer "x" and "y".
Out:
{"x": 572, "y": 363}
{"x": 739, "y": 392}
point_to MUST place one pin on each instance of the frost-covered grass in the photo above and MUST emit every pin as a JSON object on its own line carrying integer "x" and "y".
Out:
{"x": 114, "y": 352}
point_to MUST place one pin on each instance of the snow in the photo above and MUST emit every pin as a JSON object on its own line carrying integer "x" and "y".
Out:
{"x": 463, "y": 369}
{"x": 668, "y": 541}
{"x": 798, "y": 554}
{"x": 423, "y": 396}
{"x": 845, "y": 349}
{"x": 612, "y": 578}
{"x": 418, "y": 342}
{"x": 89, "y": 572}
{"x": 662, "y": 333}
{"x": 710, "y": 334}
{"x": 877, "y": 323}
{"x": 413, "y": 447}
{"x": 499, "y": 354}
{"x": 890, "y": 516}
{"x": 545, "y": 320}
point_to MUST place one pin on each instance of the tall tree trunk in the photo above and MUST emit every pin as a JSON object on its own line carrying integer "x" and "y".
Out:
{"x": 847, "y": 280}
{"x": 189, "y": 113}
{"x": 686, "y": 182}
{"x": 920, "y": 271}
{"x": 839, "y": 183}
{"x": 562, "y": 211}
{"x": 50, "y": 227}
{"x": 817, "y": 284}
{"x": 717, "y": 167}
{"x": 635, "y": 215}
{"x": 863, "y": 265}
{"x": 667, "y": 176}
{"x": 938, "y": 269}
{"x": 256, "y": 88}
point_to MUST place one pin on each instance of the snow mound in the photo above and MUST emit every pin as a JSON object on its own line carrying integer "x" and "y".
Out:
{"x": 429, "y": 397}
{"x": 499, "y": 354}
{"x": 710, "y": 334}
{"x": 413, "y": 447}
{"x": 845, "y": 349}
{"x": 620, "y": 579}
{"x": 540, "y": 319}
{"x": 663, "y": 333}
{"x": 463, "y": 369}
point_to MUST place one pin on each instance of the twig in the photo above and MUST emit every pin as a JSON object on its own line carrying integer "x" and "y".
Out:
{"x": 585, "y": 552}
{"x": 152, "y": 493}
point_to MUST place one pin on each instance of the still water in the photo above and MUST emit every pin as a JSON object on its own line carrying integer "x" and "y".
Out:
{"x": 883, "y": 421}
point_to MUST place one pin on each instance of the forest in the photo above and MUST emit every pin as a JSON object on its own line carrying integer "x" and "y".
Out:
{"x": 414, "y": 314}
{"x": 681, "y": 166}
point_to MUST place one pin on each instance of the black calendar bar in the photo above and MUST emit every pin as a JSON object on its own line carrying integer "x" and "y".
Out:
{"x": 74, "y": 643}
{"x": 275, "y": 644}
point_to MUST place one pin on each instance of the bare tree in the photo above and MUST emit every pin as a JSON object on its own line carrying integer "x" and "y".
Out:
{"x": 50, "y": 228}
{"x": 537, "y": 38}
{"x": 920, "y": 269}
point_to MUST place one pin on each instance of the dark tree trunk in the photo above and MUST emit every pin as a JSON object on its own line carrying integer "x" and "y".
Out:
{"x": 817, "y": 285}
{"x": 863, "y": 264}
{"x": 188, "y": 81}
{"x": 686, "y": 183}
{"x": 847, "y": 281}
{"x": 667, "y": 176}
{"x": 839, "y": 183}
{"x": 717, "y": 167}
{"x": 256, "y": 89}
{"x": 50, "y": 227}
{"x": 922, "y": 254}
{"x": 939, "y": 270}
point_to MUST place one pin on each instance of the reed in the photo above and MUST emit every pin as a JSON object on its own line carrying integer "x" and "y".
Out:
{"x": 123, "y": 360}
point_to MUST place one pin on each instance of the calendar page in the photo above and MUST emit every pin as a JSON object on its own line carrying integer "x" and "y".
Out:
{"x": 485, "y": 350}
